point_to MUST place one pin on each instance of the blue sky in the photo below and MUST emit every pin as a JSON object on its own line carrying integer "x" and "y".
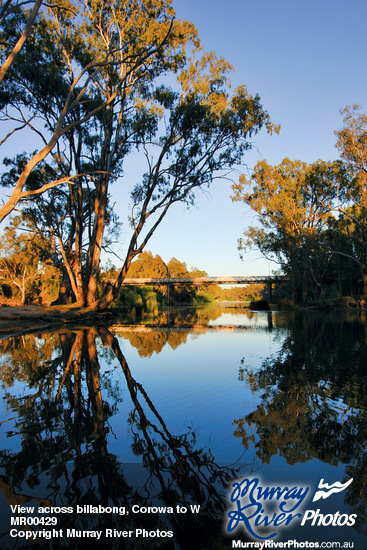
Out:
{"x": 306, "y": 59}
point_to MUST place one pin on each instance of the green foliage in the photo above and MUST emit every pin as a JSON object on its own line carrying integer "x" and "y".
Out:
{"x": 294, "y": 203}
{"x": 146, "y": 265}
{"x": 140, "y": 299}
{"x": 246, "y": 293}
{"x": 352, "y": 143}
{"x": 180, "y": 293}
{"x": 50, "y": 283}
{"x": 149, "y": 299}
{"x": 151, "y": 302}
{"x": 312, "y": 218}
{"x": 19, "y": 257}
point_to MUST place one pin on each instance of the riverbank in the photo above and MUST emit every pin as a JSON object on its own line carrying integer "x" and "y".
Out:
{"x": 21, "y": 319}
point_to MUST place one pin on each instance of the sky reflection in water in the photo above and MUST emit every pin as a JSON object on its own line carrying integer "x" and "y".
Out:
{"x": 173, "y": 414}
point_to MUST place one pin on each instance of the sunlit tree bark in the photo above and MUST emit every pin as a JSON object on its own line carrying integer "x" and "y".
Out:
{"x": 18, "y": 46}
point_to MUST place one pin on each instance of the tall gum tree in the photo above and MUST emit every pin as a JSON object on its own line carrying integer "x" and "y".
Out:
{"x": 293, "y": 202}
{"x": 352, "y": 223}
{"x": 148, "y": 28}
{"x": 206, "y": 133}
{"x": 188, "y": 135}
{"x": 103, "y": 60}
{"x": 9, "y": 53}
{"x": 72, "y": 47}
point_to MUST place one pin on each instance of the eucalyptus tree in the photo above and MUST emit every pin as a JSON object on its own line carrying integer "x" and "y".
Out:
{"x": 205, "y": 134}
{"x": 352, "y": 220}
{"x": 294, "y": 203}
{"x": 104, "y": 69}
{"x": 60, "y": 75}
{"x": 352, "y": 141}
{"x": 82, "y": 74}
{"x": 20, "y": 257}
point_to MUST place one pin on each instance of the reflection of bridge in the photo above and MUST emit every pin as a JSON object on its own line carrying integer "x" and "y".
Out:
{"x": 171, "y": 281}
{"x": 197, "y": 328}
{"x": 249, "y": 279}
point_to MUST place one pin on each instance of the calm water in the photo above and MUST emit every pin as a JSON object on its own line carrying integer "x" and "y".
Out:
{"x": 172, "y": 411}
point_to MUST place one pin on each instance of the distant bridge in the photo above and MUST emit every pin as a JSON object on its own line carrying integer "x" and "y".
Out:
{"x": 171, "y": 281}
{"x": 246, "y": 280}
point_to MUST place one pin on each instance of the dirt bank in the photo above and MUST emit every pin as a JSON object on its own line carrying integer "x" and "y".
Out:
{"x": 22, "y": 319}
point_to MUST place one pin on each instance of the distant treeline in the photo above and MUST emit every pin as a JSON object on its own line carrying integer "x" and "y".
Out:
{"x": 150, "y": 298}
{"x": 26, "y": 279}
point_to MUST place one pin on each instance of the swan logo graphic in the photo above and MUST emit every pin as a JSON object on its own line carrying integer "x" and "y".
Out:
{"x": 324, "y": 490}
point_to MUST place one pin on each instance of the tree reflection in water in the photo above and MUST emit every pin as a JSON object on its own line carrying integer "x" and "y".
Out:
{"x": 60, "y": 449}
{"x": 314, "y": 400}
{"x": 63, "y": 424}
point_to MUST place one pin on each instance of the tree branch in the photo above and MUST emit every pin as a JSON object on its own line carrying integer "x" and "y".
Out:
{"x": 22, "y": 39}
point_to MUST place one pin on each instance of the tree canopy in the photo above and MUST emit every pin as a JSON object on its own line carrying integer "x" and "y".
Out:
{"x": 294, "y": 202}
{"x": 351, "y": 224}
{"x": 95, "y": 82}
{"x": 311, "y": 218}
